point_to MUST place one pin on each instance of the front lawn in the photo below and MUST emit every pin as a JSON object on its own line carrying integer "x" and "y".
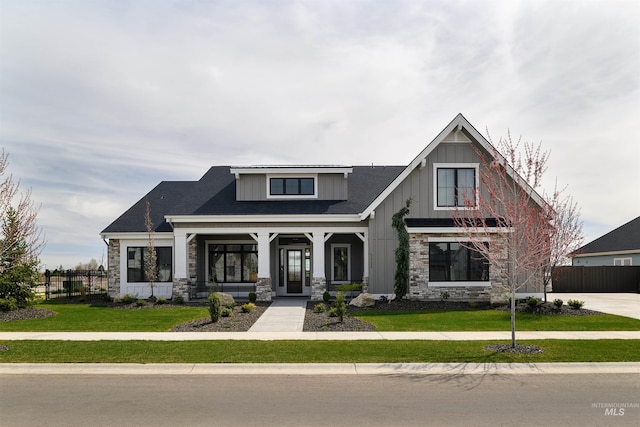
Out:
{"x": 491, "y": 320}
{"x": 101, "y": 318}
{"x": 380, "y": 351}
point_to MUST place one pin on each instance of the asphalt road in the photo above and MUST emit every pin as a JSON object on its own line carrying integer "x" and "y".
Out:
{"x": 331, "y": 400}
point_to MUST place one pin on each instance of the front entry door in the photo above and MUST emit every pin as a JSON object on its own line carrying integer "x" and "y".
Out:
{"x": 294, "y": 271}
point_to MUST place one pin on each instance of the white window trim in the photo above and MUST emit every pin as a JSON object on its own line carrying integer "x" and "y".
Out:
{"x": 623, "y": 261}
{"x": 437, "y": 166}
{"x": 341, "y": 245}
{"x": 293, "y": 196}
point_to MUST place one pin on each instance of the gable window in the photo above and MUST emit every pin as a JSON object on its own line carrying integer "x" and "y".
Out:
{"x": 292, "y": 186}
{"x": 454, "y": 262}
{"x": 233, "y": 263}
{"x": 136, "y": 268}
{"x": 455, "y": 185}
{"x": 341, "y": 265}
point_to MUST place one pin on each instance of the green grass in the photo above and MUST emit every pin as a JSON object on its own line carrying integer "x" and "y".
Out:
{"x": 312, "y": 352}
{"x": 491, "y": 320}
{"x": 94, "y": 318}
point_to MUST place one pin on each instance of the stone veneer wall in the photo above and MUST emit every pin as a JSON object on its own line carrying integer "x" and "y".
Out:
{"x": 184, "y": 287}
{"x": 318, "y": 288}
{"x": 113, "y": 264}
{"x": 419, "y": 289}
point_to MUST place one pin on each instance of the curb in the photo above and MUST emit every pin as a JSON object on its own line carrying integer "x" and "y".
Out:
{"x": 318, "y": 368}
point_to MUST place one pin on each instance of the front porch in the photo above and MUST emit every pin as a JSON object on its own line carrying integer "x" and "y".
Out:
{"x": 272, "y": 263}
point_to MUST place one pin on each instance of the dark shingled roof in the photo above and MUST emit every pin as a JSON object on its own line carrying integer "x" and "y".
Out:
{"x": 215, "y": 194}
{"x": 624, "y": 238}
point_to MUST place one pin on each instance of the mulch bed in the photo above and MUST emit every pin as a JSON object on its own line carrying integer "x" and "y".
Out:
{"x": 25, "y": 314}
{"x": 237, "y": 322}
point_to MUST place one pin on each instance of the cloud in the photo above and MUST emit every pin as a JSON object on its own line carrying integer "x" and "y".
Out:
{"x": 102, "y": 100}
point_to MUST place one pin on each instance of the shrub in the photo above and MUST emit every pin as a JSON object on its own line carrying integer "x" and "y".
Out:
{"x": 575, "y": 304}
{"x": 340, "y": 306}
{"x": 444, "y": 295}
{"x": 319, "y": 308}
{"x": 127, "y": 299}
{"x": 161, "y": 300}
{"x": 326, "y": 296}
{"x": 8, "y": 304}
{"x": 558, "y": 302}
{"x": 226, "y": 312}
{"x": 140, "y": 302}
{"x": 333, "y": 312}
{"x": 214, "y": 307}
{"x": 179, "y": 299}
{"x": 533, "y": 302}
{"x": 248, "y": 307}
{"x": 253, "y": 297}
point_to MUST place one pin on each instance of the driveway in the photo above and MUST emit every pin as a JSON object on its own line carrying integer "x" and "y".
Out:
{"x": 622, "y": 304}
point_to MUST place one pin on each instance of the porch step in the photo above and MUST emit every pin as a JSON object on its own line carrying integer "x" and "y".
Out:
{"x": 283, "y": 315}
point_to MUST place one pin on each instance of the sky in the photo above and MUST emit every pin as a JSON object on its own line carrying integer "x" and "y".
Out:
{"x": 102, "y": 100}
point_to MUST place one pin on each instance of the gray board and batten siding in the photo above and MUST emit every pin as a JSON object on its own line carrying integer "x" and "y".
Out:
{"x": 253, "y": 187}
{"x": 419, "y": 185}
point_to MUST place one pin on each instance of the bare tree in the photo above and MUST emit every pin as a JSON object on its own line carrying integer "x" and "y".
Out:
{"x": 150, "y": 256}
{"x": 567, "y": 235}
{"x": 506, "y": 221}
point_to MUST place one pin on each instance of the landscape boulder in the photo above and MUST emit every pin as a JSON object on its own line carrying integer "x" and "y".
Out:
{"x": 363, "y": 300}
{"x": 226, "y": 300}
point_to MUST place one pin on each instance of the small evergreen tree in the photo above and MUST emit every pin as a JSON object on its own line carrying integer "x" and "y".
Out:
{"x": 18, "y": 270}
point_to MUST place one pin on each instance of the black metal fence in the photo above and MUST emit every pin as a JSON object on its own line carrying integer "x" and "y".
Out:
{"x": 600, "y": 279}
{"x": 75, "y": 283}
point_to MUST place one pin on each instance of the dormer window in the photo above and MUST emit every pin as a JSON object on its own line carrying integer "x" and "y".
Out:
{"x": 291, "y": 186}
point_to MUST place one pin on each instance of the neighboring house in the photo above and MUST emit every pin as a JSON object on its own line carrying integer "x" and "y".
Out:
{"x": 618, "y": 247}
{"x": 302, "y": 230}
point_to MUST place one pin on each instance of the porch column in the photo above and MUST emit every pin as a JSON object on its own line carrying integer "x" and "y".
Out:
{"x": 180, "y": 265}
{"x": 319, "y": 281}
{"x": 365, "y": 254}
{"x": 180, "y": 255}
{"x": 263, "y": 285}
{"x": 264, "y": 255}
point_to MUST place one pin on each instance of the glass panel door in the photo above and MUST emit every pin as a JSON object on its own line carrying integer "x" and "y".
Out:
{"x": 294, "y": 271}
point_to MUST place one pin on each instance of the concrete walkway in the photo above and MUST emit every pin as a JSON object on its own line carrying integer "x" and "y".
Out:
{"x": 283, "y": 315}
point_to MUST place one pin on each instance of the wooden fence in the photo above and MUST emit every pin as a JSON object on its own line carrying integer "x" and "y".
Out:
{"x": 600, "y": 279}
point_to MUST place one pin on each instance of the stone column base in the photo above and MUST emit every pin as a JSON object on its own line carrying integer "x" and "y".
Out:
{"x": 263, "y": 289}
{"x": 318, "y": 288}
{"x": 181, "y": 288}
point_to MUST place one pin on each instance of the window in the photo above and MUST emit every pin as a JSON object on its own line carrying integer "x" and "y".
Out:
{"x": 233, "y": 263}
{"x": 135, "y": 264}
{"x": 341, "y": 267}
{"x": 291, "y": 186}
{"x": 622, "y": 261}
{"x": 453, "y": 262}
{"x": 455, "y": 186}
